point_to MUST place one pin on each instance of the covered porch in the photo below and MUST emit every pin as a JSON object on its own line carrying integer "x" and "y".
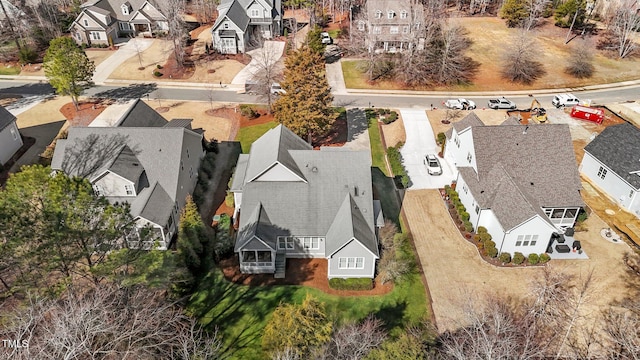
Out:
{"x": 257, "y": 261}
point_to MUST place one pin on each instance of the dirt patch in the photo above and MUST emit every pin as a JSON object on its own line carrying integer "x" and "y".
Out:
{"x": 305, "y": 272}
{"x": 488, "y": 117}
{"x": 86, "y": 112}
{"x": 447, "y": 258}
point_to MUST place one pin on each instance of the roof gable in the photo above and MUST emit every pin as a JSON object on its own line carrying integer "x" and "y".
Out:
{"x": 618, "y": 148}
{"x": 127, "y": 165}
{"x": 350, "y": 224}
{"x": 6, "y": 118}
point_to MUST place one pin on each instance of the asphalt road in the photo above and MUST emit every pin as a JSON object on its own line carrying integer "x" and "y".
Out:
{"x": 151, "y": 91}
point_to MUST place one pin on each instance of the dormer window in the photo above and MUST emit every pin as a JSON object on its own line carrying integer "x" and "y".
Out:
{"x": 86, "y": 22}
{"x": 378, "y": 14}
{"x": 403, "y": 14}
{"x": 128, "y": 189}
{"x": 125, "y": 9}
{"x": 390, "y": 14}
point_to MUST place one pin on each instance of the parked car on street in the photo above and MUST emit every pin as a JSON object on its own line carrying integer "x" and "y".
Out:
{"x": 433, "y": 165}
{"x": 562, "y": 100}
{"x": 460, "y": 104}
{"x": 501, "y": 103}
{"x": 276, "y": 89}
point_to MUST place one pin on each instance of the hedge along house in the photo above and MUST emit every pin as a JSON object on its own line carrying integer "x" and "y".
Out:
{"x": 296, "y": 202}
{"x": 521, "y": 182}
{"x": 104, "y": 21}
{"x": 241, "y": 22}
{"x": 612, "y": 163}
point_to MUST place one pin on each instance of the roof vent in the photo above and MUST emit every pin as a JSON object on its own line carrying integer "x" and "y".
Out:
{"x": 314, "y": 169}
{"x": 532, "y": 183}
{"x": 355, "y": 191}
{"x": 135, "y": 164}
{"x": 525, "y": 130}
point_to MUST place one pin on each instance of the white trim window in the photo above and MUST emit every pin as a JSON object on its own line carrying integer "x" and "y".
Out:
{"x": 128, "y": 188}
{"x": 391, "y": 14}
{"x": 95, "y": 35}
{"x": 403, "y": 14}
{"x": 360, "y": 25}
{"x": 394, "y": 30}
{"x": 14, "y": 133}
{"x": 378, "y": 14}
{"x": 527, "y": 240}
{"x": 377, "y": 30}
{"x": 125, "y": 26}
{"x": 310, "y": 243}
{"x": 98, "y": 190}
{"x": 125, "y": 9}
{"x": 405, "y": 29}
{"x": 351, "y": 263}
{"x": 86, "y": 22}
{"x": 602, "y": 172}
{"x": 255, "y": 13}
{"x": 225, "y": 26}
{"x": 469, "y": 157}
{"x": 285, "y": 243}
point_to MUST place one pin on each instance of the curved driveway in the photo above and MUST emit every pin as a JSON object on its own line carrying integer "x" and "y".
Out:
{"x": 126, "y": 51}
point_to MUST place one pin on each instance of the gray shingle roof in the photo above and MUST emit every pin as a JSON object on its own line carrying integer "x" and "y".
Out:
{"x": 127, "y": 165}
{"x": 6, "y": 118}
{"x": 142, "y": 115}
{"x": 522, "y": 169}
{"x": 275, "y": 146}
{"x": 348, "y": 224}
{"x": 306, "y": 208}
{"x": 158, "y": 206}
{"x": 235, "y": 12}
{"x": 470, "y": 120}
{"x": 185, "y": 123}
{"x": 618, "y": 147}
{"x": 162, "y": 153}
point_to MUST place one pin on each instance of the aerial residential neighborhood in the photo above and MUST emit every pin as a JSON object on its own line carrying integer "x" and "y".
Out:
{"x": 279, "y": 179}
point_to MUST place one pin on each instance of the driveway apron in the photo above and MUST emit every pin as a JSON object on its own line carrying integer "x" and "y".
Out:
{"x": 131, "y": 48}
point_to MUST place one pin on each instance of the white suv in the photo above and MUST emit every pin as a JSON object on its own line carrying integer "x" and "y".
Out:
{"x": 562, "y": 100}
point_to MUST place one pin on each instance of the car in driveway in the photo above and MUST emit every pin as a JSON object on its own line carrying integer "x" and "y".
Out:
{"x": 562, "y": 100}
{"x": 501, "y": 103}
{"x": 433, "y": 164}
{"x": 326, "y": 38}
{"x": 460, "y": 104}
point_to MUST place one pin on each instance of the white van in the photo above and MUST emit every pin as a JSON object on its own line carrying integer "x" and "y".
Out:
{"x": 562, "y": 100}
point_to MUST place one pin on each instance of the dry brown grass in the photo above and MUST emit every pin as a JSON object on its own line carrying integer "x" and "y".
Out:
{"x": 213, "y": 126}
{"x": 455, "y": 272}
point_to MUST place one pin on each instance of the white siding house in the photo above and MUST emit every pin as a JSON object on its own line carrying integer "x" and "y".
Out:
{"x": 519, "y": 182}
{"x": 10, "y": 138}
{"x": 612, "y": 163}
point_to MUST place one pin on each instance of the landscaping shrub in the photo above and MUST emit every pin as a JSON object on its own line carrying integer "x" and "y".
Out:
{"x": 390, "y": 118}
{"x": 468, "y": 227}
{"x": 464, "y": 216}
{"x": 441, "y": 138}
{"x": 158, "y": 66}
{"x": 203, "y": 180}
{"x": 488, "y": 243}
{"x": 460, "y": 208}
{"x": 228, "y": 199}
{"x": 198, "y": 196}
{"x": 27, "y": 55}
{"x": 208, "y": 164}
{"x": 476, "y": 238}
{"x": 544, "y": 258}
{"x": 351, "y": 284}
{"x": 505, "y": 258}
{"x": 518, "y": 258}
{"x": 582, "y": 216}
{"x": 484, "y": 236}
{"x": 447, "y": 190}
{"x": 248, "y": 111}
{"x": 533, "y": 259}
{"x": 491, "y": 251}
{"x": 395, "y": 160}
{"x": 482, "y": 230}
{"x": 157, "y": 73}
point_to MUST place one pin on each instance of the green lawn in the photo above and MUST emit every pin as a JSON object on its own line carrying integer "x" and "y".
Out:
{"x": 247, "y": 135}
{"x": 241, "y": 312}
{"x": 12, "y": 70}
{"x": 377, "y": 150}
{"x": 335, "y": 33}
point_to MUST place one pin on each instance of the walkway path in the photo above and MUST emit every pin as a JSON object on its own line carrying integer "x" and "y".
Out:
{"x": 357, "y": 130}
{"x": 131, "y": 48}
{"x": 420, "y": 142}
{"x": 335, "y": 78}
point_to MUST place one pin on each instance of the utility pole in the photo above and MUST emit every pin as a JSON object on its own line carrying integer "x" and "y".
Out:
{"x": 566, "y": 40}
{"x": 13, "y": 32}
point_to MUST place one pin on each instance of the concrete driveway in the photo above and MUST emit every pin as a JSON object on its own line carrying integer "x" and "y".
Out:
{"x": 269, "y": 53}
{"x": 131, "y": 48}
{"x": 421, "y": 141}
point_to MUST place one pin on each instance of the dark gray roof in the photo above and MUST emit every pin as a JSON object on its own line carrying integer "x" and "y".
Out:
{"x": 275, "y": 146}
{"x": 184, "y": 123}
{"x": 127, "y": 165}
{"x": 162, "y": 152}
{"x": 466, "y": 122}
{"x": 305, "y": 208}
{"x": 235, "y": 11}
{"x": 158, "y": 207}
{"x": 618, "y": 147}
{"x": 142, "y": 115}
{"x": 349, "y": 224}
{"x": 6, "y": 118}
{"x": 260, "y": 226}
{"x": 522, "y": 169}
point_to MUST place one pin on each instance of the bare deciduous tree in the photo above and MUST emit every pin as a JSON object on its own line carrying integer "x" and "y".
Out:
{"x": 267, "y": 71}
{"x": 536, "y": 10}
{"x": 355, "y": 341}
{"x": 519, "y": 60}
{"x": 107, "y": 322}
{"x": 623, "y": 20}
{"x": 177, "y": 31}
{"x": 580, "y": 61}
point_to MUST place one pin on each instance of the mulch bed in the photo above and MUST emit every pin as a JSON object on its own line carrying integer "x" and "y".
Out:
{"x": 86, "y": 113}
{"x": 305, "y": 272}
{"x": 337, "y": 136}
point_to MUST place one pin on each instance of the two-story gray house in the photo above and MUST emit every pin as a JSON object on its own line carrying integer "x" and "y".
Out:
{"x": 242, "y": 21}
{"x": 391, "y": 26}
{"x": 103, "y": 21}
{"x": 145, "y": 161}
{"x": 10, "y": 138}
{"x": 296, "y": 202}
